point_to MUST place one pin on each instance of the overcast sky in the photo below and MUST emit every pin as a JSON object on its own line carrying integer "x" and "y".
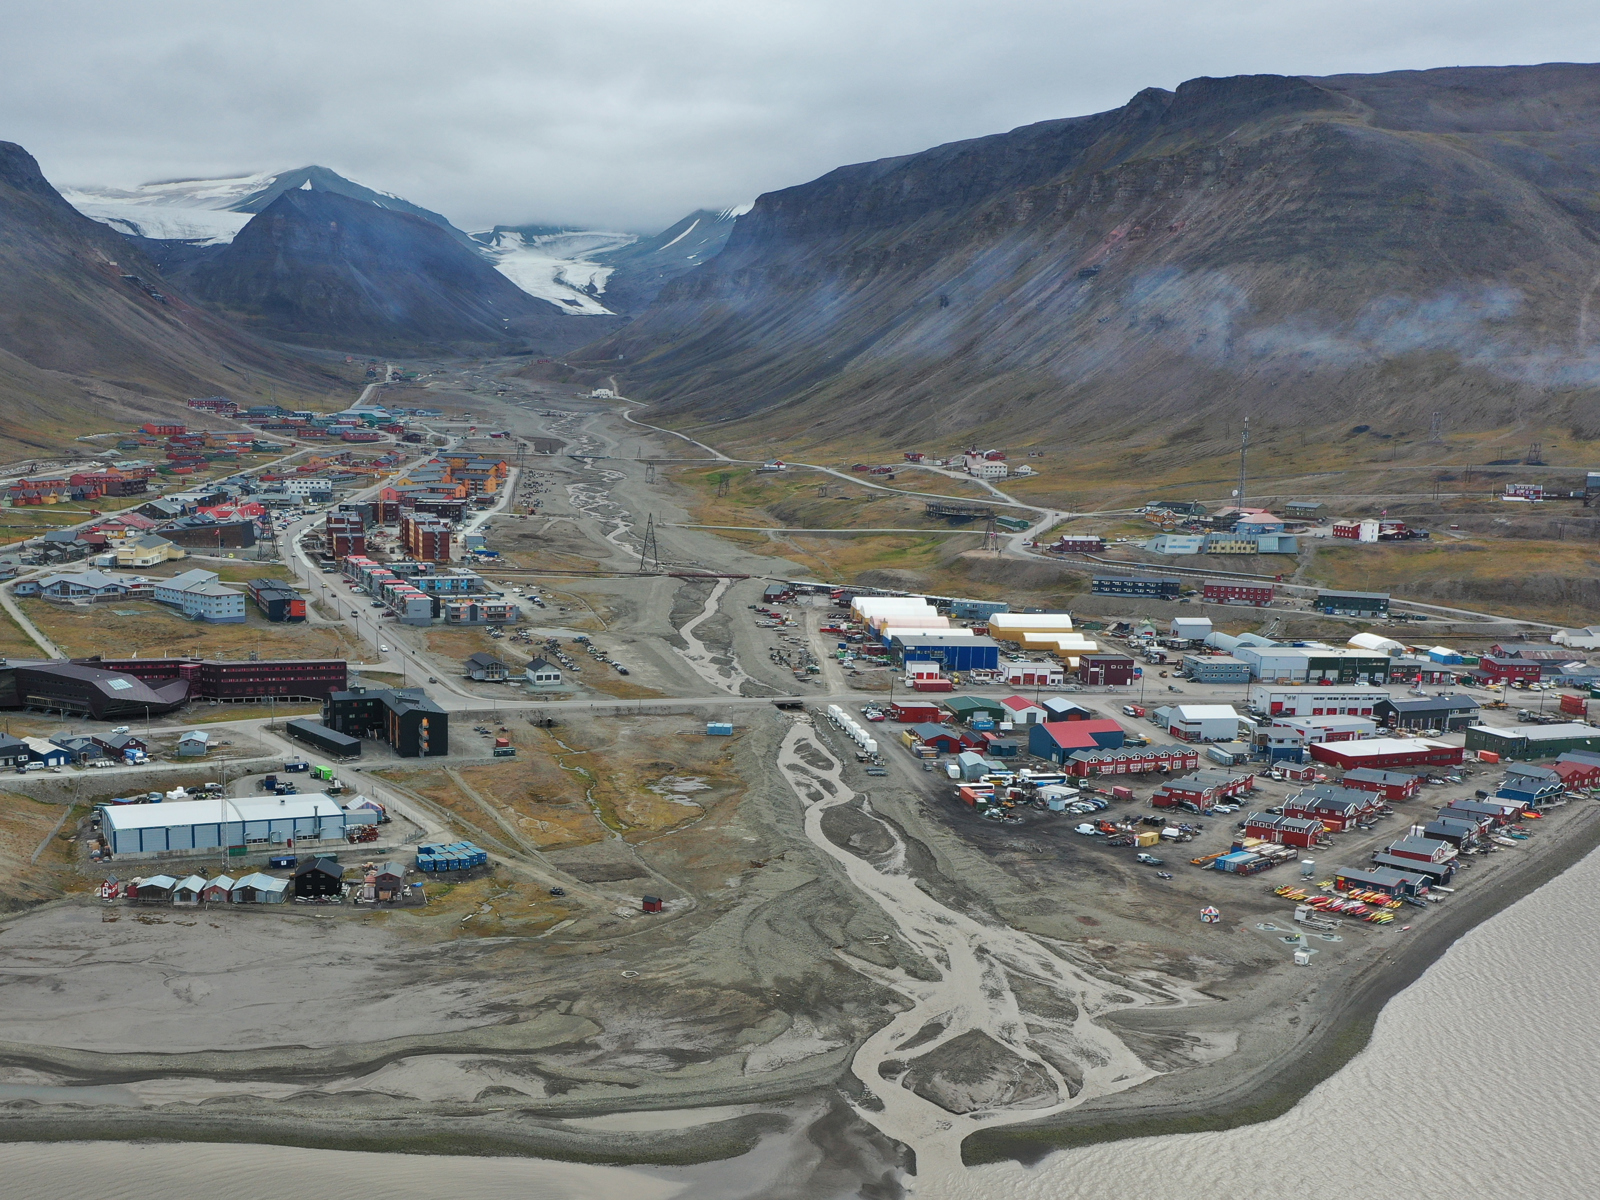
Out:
{"x": 629, "y": 113}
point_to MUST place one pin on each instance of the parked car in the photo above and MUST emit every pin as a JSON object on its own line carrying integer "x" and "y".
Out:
{"x": 1087, "y": 830}
{"x": 1149, "y": 860}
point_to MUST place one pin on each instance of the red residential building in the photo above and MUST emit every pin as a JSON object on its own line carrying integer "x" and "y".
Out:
{"x": 1079, "y": 544}
{"x": 1336, "y": 815}
{"x": 1577, "y": 774}
{"x": 1491, "y": 669}
{"x": 425, "y": 539}
{"x": 1217, "y": 592}
{"x": 1284, "y": 830}
{"x": 1106, "y": 670}
{"x": 345, "y": 534}
{"x": 1132, "y": 762}
{"x": 1391, "y": 785}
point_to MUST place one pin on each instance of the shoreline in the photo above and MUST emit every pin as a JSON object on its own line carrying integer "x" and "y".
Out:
{"x": 1249, "y": 1093}
{"x": 1269, "y": 1090}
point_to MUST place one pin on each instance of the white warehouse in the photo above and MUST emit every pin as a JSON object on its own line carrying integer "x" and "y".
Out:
{"x": 1200, "y": 722}
{"x": 247, "y": 822}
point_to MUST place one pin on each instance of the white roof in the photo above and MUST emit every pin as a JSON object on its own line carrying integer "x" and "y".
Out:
{"x": 1542, "y": 733}
{"x": 160, "y": 881}
{"x": 205, "y": 812}
{"x": 263, "y": 883}
{"x": 1029, "y": 622}
{"x": 192, "y": 883}
{"x": 1205, "y": 712}
{"x": 1374, "y": 746}
{"x": 225, "y": 882}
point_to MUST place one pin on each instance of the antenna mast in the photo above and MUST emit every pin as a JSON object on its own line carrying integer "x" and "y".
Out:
{"x": 1244, "y": 448}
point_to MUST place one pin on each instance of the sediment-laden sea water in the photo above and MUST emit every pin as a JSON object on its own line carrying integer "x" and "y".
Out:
{"x": 1481, "y": 1079}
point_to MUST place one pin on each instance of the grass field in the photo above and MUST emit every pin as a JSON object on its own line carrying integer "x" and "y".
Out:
{"x": 1541, "y": 580}
{"x": 636, "y": 776}
{"x": 809, "y": 500}
{"x": 126, "y": 627}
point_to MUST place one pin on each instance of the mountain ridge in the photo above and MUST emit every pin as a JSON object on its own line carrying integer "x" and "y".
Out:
{"x": 325, "y": 269}
{"x": 94, "y": 337}
{"x": 1253, "y": 244}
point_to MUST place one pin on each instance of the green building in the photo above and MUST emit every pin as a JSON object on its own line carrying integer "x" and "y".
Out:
{"x": 1533, "y": 741}
{"x": 964, "y": 708}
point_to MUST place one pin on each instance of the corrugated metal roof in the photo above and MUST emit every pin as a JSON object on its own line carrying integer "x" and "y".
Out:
{"x": 207, "y": 812}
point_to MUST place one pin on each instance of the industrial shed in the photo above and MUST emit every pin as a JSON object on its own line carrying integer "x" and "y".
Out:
{"x": 1058, "y": 741}
{"x": 184, "y": 826}
{"x": 1388, "y": 753}
{"x": 329, "y": 741}
{"x": 1453, "y": 712}
{"x": 1534, "y": 741}
{"x": 956, "y": 652}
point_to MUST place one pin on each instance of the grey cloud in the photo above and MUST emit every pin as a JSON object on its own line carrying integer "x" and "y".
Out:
{"x": 629, "y": 113}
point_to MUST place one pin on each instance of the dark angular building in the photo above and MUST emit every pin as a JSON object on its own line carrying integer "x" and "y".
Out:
{"x": 202, "y": 533}
{"x": 405, "y": 718}
{"x": 105, "y": 695}
{"x": 277, "y": 600}
{"x": 251, "y": 679}
{"x": 317, "y": 878}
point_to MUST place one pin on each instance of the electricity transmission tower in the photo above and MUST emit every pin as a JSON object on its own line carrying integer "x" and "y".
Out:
{"x": 649, "y": 552}
{"x": 722, "y": 483}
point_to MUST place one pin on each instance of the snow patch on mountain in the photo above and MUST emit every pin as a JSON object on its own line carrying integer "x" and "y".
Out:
{"x": 556, "y": 267}
{"x": 208, "y": 227}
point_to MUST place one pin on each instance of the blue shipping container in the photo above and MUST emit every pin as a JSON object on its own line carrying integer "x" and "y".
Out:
{"x": 719, "y": 729}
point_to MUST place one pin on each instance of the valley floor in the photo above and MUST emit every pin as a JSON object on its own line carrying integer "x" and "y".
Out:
{"x": 852, "y": 975}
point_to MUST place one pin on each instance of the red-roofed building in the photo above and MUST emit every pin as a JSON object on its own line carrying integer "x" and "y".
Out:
{"x": 1022, "y": 711}
{"x": 1058, "y": 741}
{"x": 1577, "y": 774}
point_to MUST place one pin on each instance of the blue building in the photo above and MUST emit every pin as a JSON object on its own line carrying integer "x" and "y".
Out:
{"x": 956, "y": 652}
{"x": 977, "y": 610}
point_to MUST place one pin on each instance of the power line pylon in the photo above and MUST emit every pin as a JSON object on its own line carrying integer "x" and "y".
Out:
{"x": 722, "y": 484}
{"x": 649, "y": 552}
{"x": 991, "y": 535}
